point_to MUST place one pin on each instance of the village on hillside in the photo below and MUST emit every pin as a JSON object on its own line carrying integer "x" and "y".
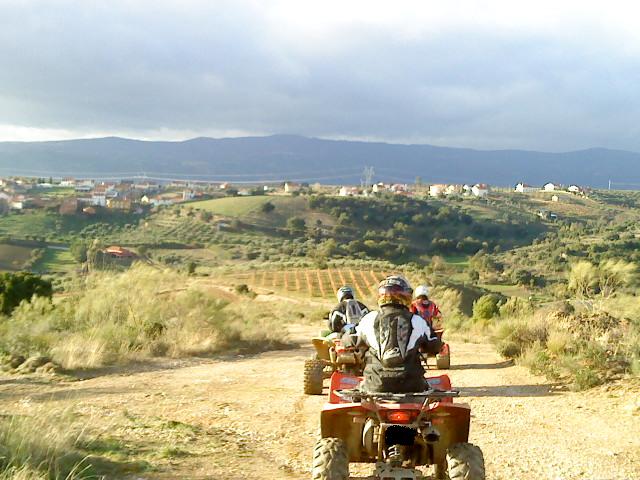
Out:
{"x": 70, "y": 196}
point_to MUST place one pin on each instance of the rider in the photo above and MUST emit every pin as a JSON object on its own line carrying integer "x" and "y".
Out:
{"x": 347, "y": 311}
{"x": 392, "y": 339}
{"x": 424, "y": 307}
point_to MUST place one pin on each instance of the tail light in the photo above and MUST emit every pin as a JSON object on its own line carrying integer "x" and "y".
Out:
{"x": 401, "y": 416}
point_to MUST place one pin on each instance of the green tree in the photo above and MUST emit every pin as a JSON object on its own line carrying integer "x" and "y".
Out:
{"x": 486, "y": 307}
{"x": 78, "y": 250}
{"x": 16, "y": 287}
{"x": 296, "y": 226}
{"x": 267, "y": 207}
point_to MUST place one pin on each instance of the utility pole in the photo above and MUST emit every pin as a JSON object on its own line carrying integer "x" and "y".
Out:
{"x": 367, "y": 176}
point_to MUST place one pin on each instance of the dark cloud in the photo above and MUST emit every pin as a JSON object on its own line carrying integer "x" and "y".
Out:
{"x": 206, "y": 67}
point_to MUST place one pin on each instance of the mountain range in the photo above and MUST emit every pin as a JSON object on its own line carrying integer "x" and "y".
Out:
{"x": 304, "y": 159}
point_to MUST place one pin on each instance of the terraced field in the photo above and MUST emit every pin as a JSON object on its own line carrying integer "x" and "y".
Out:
{"x": 312, "y": 282}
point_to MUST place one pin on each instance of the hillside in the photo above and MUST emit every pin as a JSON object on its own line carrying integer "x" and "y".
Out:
{"x": 291, "y": 157}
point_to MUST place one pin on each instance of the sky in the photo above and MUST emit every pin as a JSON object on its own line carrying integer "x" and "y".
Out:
{"x": 543, "y": 75}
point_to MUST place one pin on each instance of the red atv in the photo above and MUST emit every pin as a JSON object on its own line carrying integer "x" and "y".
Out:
{"x": 397, "y": 432}
{"x": 331, "y": 356}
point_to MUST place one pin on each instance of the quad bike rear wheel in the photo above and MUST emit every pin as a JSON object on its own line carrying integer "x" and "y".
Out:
{"x": 313, "y": 376}
{"x": 443, "y": 362}
{"x": 465, "y": 462}
{"x": 330, "y": 460}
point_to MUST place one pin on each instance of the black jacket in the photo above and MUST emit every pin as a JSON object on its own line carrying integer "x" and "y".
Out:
{"x": 392, "y": 340}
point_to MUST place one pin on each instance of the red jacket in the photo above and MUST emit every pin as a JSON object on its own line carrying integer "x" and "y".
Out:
{"x": 426, "y": 309}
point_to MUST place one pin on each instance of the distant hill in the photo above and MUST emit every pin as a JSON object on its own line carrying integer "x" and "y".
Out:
{"x": 281, "y": 157}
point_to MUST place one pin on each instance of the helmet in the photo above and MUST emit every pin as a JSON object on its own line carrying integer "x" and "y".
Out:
{"x": 344, "y": 291}
{"x": 421, "y": 291}
{"x": 394, "y": 290}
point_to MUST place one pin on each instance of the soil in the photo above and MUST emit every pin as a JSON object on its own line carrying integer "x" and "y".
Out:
{"x": 246, "y": 417}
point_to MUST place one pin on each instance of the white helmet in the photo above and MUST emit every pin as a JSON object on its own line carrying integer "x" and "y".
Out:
{"x": 421, "y": 290}
{"x": 344, "y": 291}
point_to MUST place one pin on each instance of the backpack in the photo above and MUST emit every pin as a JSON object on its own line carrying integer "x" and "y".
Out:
{"x": 393, "y": 332}
{"x": 353, "y": 312}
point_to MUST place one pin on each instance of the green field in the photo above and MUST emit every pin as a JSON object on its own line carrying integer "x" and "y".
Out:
{"x": 13, "y": 257}
{"x": 55, "y": 261}
{"x": 232, "y": 206}
{"x": 507, "y": 290}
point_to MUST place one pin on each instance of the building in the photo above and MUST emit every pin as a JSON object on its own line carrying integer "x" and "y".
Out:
{"x": 525, "y": 188}
{"x": 437, "y": 190}
{"x": 453, "y": 190}
{"x": 480, "y": 190}
{"x": 575, "y": 189}
{"x": 119, "y": 203}
{"x": 69, "y": 206}
{"x": 189, "y": 195}
{"x": 119, "y": 252}
{"x": 550, "y": 187}
{"x": 290, "y": 187}
{"x": 68, "y": 182}
{"x": 348, "y": 191}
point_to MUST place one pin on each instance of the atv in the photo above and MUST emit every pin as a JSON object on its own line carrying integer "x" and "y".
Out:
{"x": 443, "y": 357}
{"x": 396, "y": 432}
{"x": 331, "y": 356}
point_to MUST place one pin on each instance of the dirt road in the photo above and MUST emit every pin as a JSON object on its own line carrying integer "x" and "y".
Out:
{"x": 245, "y": 418}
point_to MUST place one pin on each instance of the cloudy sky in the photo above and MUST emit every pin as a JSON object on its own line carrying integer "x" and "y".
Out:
{"x": 550, "y": 76}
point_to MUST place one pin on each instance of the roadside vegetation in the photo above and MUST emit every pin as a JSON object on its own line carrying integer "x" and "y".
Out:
{"x": 50, "y": 446}
{"x": 141, "y": 313}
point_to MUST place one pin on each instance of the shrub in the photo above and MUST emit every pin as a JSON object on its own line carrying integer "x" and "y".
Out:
{"x": 486, "y": 307}
{"x": 515, "y": 306}
{"x": 16, "y": 287}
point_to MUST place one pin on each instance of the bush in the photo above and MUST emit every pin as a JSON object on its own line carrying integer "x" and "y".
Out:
{"x": 486, "y": 307}
{"x": 16, "y": 287}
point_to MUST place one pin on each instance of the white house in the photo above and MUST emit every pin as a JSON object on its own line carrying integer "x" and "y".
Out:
{"x": 84, "y": 186}
{"x": 188, "y": 195}
{"x": 348, "y": 191}
{"x": 525, "y": 188}
{"x": 378, "y": 187}
{"x": 68, "y": 182}
{"x": 574, "y": 189}
{"x": 550, "y": 187}
{"x": 480, "y": 190}
{"x": 290, "y": 187}
{"x": 99, "y": 198}
{"x": 453, "y": 189}
{"x": 437, "y": 189}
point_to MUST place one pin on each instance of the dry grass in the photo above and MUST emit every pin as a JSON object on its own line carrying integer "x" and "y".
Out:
{"x": 46, "y": 447}
{"x": 585, "y": 349}
{"x": 141, "y": 313}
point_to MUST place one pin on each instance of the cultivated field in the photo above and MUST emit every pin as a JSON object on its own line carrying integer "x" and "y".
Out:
{"x": 312, "y": 282}
{"x": 13, "y": 257}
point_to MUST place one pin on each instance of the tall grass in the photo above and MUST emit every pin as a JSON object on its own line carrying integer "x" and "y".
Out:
{"x": 140, "y": 313}
{"x": 44, "y": 447}
{"x": 585, "y": 349}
